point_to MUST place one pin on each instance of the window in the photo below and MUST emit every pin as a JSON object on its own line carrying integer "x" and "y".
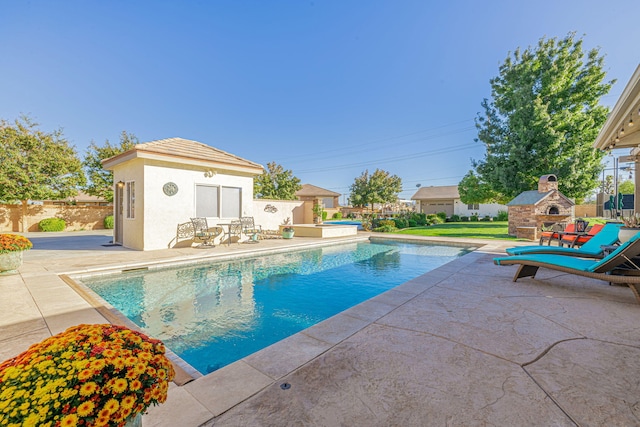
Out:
{"x": 473, "y": 206}
{"x": 131, "y": 199}
{"x": 218, "y": 202}
{"x": 231, "y": 202}
{"x": 206, "y": 201}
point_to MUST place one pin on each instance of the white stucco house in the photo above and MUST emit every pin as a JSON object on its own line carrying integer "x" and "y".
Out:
{"x": 162, "y": 183}
{"x": 446, "y": 198}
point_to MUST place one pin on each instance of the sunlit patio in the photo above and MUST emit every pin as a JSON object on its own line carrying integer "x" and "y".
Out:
{"x": 461, "y": 345}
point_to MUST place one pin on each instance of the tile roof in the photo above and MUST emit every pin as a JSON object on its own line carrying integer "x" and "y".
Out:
{"x": 185, "y": 151}
{"x": 439, "y": 192}
{"x": 180, "y": 147}
{"x": 309, "y": 190}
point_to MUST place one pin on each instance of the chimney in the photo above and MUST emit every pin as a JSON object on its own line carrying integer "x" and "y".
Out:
{"x": 547, "y": 183}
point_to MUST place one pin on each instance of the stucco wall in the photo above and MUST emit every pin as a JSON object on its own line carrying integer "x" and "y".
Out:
{"x": 157, "y": 214}
{"x": 76, "y": 217}
{"x": 264, "y": 214}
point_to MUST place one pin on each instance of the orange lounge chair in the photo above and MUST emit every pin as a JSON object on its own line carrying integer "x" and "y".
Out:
{"x": 554, "y": 233}
{"x": 572, "y": 240}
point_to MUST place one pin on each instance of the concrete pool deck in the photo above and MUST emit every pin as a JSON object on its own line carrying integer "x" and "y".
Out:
{"x": 461, "y": 345}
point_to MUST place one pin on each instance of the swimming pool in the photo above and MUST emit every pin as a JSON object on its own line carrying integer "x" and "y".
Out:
{"x": 216, "y": 313}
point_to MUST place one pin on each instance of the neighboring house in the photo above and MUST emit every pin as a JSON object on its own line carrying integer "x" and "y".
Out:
{"x": 160, "y": 184}
{"x": 446, "y": 198}
{"x": 317, "y": 196}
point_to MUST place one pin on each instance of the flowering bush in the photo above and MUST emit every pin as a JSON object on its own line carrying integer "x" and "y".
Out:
{"x": 14, "y": 243}
{"x": 92, "y": 375}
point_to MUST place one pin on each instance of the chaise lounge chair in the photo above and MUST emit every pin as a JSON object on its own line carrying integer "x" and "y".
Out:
{"x": 617, "y": 267}
{"x": 590, "y": 249}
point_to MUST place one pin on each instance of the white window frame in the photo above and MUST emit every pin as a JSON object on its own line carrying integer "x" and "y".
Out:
{"x": 216, "y": 210}
{"x": 225, "y": 206}
{"x": 130, "y": 187}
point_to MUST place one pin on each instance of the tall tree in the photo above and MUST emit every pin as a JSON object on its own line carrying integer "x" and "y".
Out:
{"x": 543, "y": 118}
{"x": 101, "y": 180}
{"x": 276, "y": 183}
{"x": 379, "y": 187}
{"x": 36, "y": 165}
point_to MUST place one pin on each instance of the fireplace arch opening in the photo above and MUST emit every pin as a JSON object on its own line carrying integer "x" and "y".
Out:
{"x": 553, "y": 210}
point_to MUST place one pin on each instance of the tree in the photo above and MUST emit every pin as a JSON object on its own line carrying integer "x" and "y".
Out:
{"x": 543, "y": 119}
{"x": 379, "y": 187}
{"x": 607, "y": 185}
{"x": 473, "y": 190}
{"x": 626, "y": 187}
{"x": 101, "y": 180}
{"x": 276, "y": 183}
{"x": 36, "y": 165}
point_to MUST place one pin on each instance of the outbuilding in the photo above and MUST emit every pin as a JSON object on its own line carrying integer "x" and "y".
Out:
{"x": 163, "y": 183}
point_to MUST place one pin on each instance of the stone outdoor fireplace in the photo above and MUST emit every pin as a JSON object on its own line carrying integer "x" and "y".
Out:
{"x": 531, "y": 210}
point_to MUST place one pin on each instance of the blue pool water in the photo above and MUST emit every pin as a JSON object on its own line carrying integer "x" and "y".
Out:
{"x": 214, "y": 314}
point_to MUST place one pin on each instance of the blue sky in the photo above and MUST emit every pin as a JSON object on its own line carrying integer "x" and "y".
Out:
{"x": 325, "y": 88}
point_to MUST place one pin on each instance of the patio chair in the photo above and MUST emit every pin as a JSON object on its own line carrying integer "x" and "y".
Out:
{"x": 590, "y": 249}
{"x": 201, "y": 231}
{"x": 572, "y": 240}
{"x": 235, "y": 229}
{"x": 617, "y": 267}
{"x": 250, "y": 229}
{"x": 553, "y": 233}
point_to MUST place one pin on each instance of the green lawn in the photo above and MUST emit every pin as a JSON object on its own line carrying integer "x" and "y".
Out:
{"x": 471, "y": 230}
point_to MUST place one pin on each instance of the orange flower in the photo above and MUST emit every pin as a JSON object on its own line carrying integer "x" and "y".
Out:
{"x": 112, "y": 406}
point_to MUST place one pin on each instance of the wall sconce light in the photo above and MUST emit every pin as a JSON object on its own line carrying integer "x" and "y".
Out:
{"x": 210, "y": 173}
{"x": 120, "y": 184}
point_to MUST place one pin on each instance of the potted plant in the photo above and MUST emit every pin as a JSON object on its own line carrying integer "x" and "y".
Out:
{"x": 11, "y": 248}
{"x": 630, "y": 228}
{"x": 287, "y": 230}
{"x": 93, "y": 375}
{"x": 317, "y": 210}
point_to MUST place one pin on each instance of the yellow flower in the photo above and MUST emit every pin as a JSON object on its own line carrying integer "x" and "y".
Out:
{"x": 128, "y": 401}
{"x": 119, "y": 385}
{"x": 112, "y": 406}
{"x": 70, "y": 420}
{"x": 88, "y": 388}
{"x": 86, "y": 408}
{"x": 32, "y": 420}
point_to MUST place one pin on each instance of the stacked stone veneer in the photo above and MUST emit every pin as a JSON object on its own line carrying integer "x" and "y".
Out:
{"x": 536, "y": 215}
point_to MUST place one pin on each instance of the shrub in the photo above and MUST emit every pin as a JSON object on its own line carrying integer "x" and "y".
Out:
{"x": 455, "y": 218}
{"x": 108, "y": 222}
{"x": 419, "y": 218}
{"x": 386, "y": 226}
{"x": 324, "y": 215}
{"x": 502, "y": 216}
{"x": 442, "y": 216}
{"x": 412, "y": 223}
{"x": 52, "y": 224}
{"x": 434, "y": 219}
{"x": 474, "y": 218}
{"x": 337, "y": 215}
{"x": 400, "y": 222}
{"x": 464, "y": 218}
{"x": 487, "y": 218}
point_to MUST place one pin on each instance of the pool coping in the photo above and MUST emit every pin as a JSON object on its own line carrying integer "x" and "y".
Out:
{"x": 221, "y": 390}
{"x": 186, "y": 373}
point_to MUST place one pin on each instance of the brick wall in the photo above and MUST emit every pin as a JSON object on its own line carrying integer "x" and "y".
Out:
{"x": 76, "y": 217}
